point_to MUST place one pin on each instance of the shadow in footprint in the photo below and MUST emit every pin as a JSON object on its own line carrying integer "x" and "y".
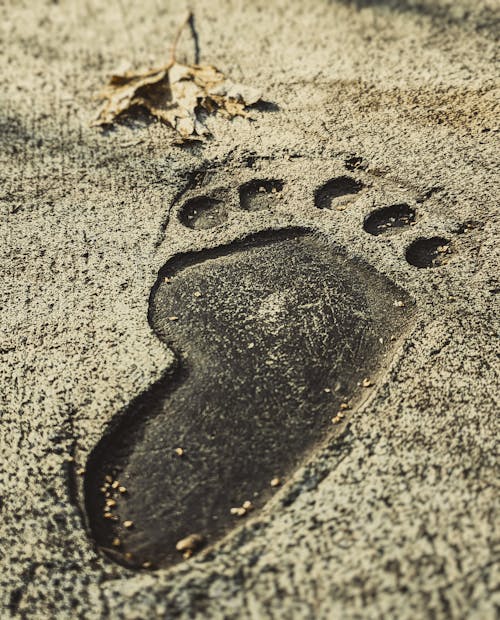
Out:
{"x": 259, "y": 194}
{"x": 203, "y": 212}
{"x": 387, "y": 219}
{"x": 271, "y": 335}
{"x": 328, "y": 194}
{"x": 425, "y": 253}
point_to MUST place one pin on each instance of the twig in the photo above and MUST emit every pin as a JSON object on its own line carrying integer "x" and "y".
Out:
{"x": 196, "y": 40}
{"x": 173, "y": 49}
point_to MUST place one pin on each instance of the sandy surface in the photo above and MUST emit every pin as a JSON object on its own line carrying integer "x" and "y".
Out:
{"x": 397, "y": 517}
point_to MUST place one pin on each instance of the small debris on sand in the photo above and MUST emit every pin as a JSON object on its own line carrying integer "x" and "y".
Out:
{"x": 190, "y": 543}
{"x": 179, "y": 451}
{"x": 366, "y": 383}
{"x": 238, "y": 512}
{"x": 128, "y": 524}
{"x": 122, "y": 490}
{"x": 197, "y": 294}
{"x": 173, "y": 318}
{"x": 340, "y": 415}
{"x": 241, "y": 511}
{"x": 116, "y": 542}
{"x": 275, "y": 482}
{"x": 399, "y": 304}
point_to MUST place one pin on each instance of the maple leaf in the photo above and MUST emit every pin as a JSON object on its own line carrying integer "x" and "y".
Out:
{"x": 176, "y": 94}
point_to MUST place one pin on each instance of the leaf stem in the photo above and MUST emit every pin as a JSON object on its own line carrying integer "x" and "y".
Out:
{"x": 173, "y": 49}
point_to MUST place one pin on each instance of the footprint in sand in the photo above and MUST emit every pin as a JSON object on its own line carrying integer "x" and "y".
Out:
{"x": 274, "y": 335}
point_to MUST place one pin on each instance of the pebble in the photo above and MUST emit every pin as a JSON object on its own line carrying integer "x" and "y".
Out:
{"x": 238, "y": 512}
{"x": 190, "y": 543}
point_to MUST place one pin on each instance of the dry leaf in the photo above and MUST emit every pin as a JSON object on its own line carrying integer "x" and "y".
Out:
{"x": 176, "y": 94}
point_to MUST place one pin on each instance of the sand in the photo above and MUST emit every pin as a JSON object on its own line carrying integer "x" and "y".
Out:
{"x": 396, "y": 516}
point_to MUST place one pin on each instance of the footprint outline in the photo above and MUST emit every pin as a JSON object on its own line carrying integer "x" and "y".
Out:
{"x": 168, "y": 382}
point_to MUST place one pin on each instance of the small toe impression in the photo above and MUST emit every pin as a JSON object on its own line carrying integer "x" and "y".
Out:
{"x": 328, "y": 194}
{"x": 386, "y": 219}
{"x": 259, "y": 194}
{"x": 203, "y": 212}
{"x": 432, "y": 252}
